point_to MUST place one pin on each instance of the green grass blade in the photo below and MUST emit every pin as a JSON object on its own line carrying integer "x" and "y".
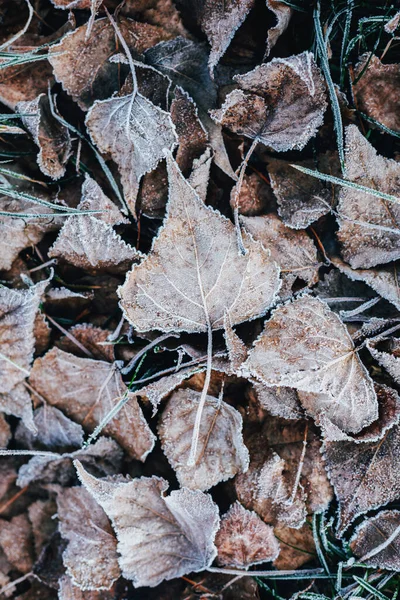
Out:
{"x": 370, "y": 588}
{"x": 11, "y": 193}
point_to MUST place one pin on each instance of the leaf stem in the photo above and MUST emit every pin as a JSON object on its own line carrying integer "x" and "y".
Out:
{"x": 238, "y": 187}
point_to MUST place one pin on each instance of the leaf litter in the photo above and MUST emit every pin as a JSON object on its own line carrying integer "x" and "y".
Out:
{"x": 199, "y": 300}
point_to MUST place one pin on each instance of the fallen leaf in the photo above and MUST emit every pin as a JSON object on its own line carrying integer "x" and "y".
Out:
{"x": 306, "y": 346}
{"x": 68, "y": 591}
{"x": 364, "y": 476}
{"x": 237, "y": 350}
{"x": 90, "y": 389}
{"x": 18, "y": 310}
{"x": 278, "y": 401}
{"x": 93, "y": 198}
{"x": 200, "y": 174}
{"x": 82, "y": 64}
{"x": 91, "y": 557}
{"x": 49, "y": 135}
{"x": 377, "y": 91}
{"x": 24, "y": 82}
{"x": 41, "y": 513}
{"x": 387, "y": 354}
{"x": 293, "y": 251}
{"x": 376, "y": 541}
{"x": 253, "y": 197}
{"x": 94, "y": 339}
{"x": 90, "y": 244}
{"x": 221, "y": 451}
{"x": 179, "y": 529}
{"x": 54, "y": 431}
{"x": 302, "y": 199}
{"x": 297, "y": 547}
{"x": 18, "y": 403}
{"x": 5, "y": 432}
{"x": 263, "y": 108}
{"x": 16, "y": 542}
{"x": 135, "y": 133}
{"x": 103, "y": 458}
{"x": 243, "y": 539}
{"x": 221, "y": 282}
{"x": 368, "y": 226}
{"x": 283, "y": 13}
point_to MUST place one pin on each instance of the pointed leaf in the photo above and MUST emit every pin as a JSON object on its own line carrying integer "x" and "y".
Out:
{"x": 376, "y": 541}
{"x": 93, "y": 198}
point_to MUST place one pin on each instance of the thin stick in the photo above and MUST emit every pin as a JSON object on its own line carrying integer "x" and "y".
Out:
{"x": 9, "y": 586}
{"x": 143, "y": 351}
{"x": 69, "y": 336}
{"x": 238, "y": 187}
{"x": 22, "y": 31}
{"x": 299, "y": 468}
{"x": 24, "y": 371}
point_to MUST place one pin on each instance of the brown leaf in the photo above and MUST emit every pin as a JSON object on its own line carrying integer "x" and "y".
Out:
{"x": 93, "y": 198}
{"x": 377, "y": 92}
{"x": 89, "y": 390}
{"x": 221, "y": 281}
{"x": 24, "y": 82}
{"x": 18, "y": 403}
{"x": 221, "y": 452}
{"x": 49, "y": 135}
{"x": 243, "y": 539}
{"x": 41, "y": 513}
{"x": 92, "y": 338}
{"x": 159, "y": 537}
{"x": 16, "y": 542}
{"x": 368, "y": 226}
{"x": 5, "y": 432}
{"x": 237, "y": 350}
{"x": 376, "y": 541}
{"x": 91, "y": 557}
{"x": 18, "y": 310}
{"x": 364, "y": 476}
{"x": 283, "y": 13}
{"x": 90, "y": 244}
{"x": 387, "y": 354}
{"x": 263, "y": 108}
{"x": 156, "y": 12}
{"x": 278, "y": 401}
{"x": 305, "y": 345}
{"x": 254, "y": 196}
{"x": 103, "y": 458}
{"x": 293, "y": 251}
{"x": 69, "y": 591}
{"x": 382, "y": 280}
{"x": 83, "y": 67}
{"x": 54, "y": 431}
{"x": 192, "y": 136}
{"x": 297, "y": 547}
{"x": 302, "y": 199}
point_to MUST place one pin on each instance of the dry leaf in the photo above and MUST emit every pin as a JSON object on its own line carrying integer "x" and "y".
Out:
{"x": 263, "y": 108}
{"x": 237, "y": 350}
{"x": 302, "y": 199}
{"x": 293, "y": 251}
{"x": 159, "y": 537}
{"x": 5, "y": 432}
{"x": 89, "y": 390}
{"x": 376, "y": 541}
{"x": 305, "y": 345}
{"x": 93, "y": 198}
{"x": 221, "y": 451}
{"x": 377, "y": 92}
{"x": 24, "y": 82}
{"x": 91, "y": 557}
{"x": 387, "y": 354}
{"x": 103, "y": 458}
{"x": 253, "y": 197}
{"x": 200, "y": 174}
{"x": 90, "y": 244}
{"x": 18, "y": 310}
{"x": 18, "y": 403}
{"x": 368, "y": 226}
{"x": 82, "y": 65}
{"x": 16, "y": 542}
{"x": 364, "y": 476}
{"x": 192, "y": 136}
{"x": 135, "y": 133}
{"x": 243, "y": 539}
{"x": 382, "y": 280}
{"x": 68, "y": 591}
{"x": 90, "y": 337}
{"x": 49, "y": 135}
{"x": 278, "y": 401}
{"x": 156, "y": 294}
{"x": 54, "y": 431}
{"x": 41, "y": 513}
{"x": 283, "y": 13}
{"x": 297, "y": 547}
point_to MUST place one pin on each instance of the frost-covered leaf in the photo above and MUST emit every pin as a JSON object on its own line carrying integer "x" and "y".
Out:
{"x": 200, "y": 174}
{"x": 81, "y": 64}
{"x": 18, "y": 310}
{"x": 382, "y": 280}
{"x": 293, "y": 251}
{"x": 283, "y": 13}
{"x": 192, "y": 136}
{"x": 93, "y": 198}
{"x": 86, "y": 390}
{"x": 387, "y": 353}
{"x": 49, "y": 135}
{"x": 278, "y": 401}
{"x": 156, "y": 294}
{"x": 221, "y": 451}
{"x": 243, "y": 539}
{"x": 135, "y": 133}
{"x": 159, "y": 537}
{"x": 305, "y": 345}
{"x": 68, "y": 591}
{"x": 253, "y": 198}
{"x": 102, "y": 458}
{"x": 185, "y": 62}
{"x": 369, "y": 227}
{"x": 302, "y": 199}
{"x": 90, "y": 244}
{"x": 41, "y": 513}
{"x": 297, "y": 547}
{"x": 16, "y": 542}
{"x": 54, "y": 431}
{"x": 91, "y": 557}
{"x": 377, "y": 91}
{"x": 93, "y": 339}
{"x": 237, "y": 350}
{"x": 376, "y": 541}
{"x": 18, "y": 403}
{"x": 24, "y": 82}
{"x": 5, "y": 432}
{"x": 268, "y": 97}
{"x": 364, "y": 476}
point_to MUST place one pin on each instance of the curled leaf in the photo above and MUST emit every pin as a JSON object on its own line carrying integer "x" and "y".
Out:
{"x": 159, "y": 537}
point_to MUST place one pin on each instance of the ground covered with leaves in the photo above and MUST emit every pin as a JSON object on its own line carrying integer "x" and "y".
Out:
{"x": 199, "y": 299}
